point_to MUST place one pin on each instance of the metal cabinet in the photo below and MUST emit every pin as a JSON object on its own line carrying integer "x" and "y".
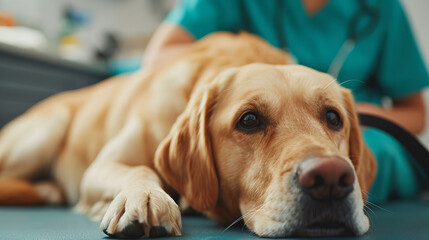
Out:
{"x": 27, "y": 77}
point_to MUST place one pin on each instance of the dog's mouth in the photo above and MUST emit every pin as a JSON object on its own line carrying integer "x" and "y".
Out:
{"x": 324, "y": 228}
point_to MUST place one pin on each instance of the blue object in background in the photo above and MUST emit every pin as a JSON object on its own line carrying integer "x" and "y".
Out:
{"x": 125, "y": 65}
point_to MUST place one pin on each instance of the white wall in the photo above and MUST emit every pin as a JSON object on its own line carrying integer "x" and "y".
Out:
{"x": 419, "y": 17}
{"x": 126, "y": 18}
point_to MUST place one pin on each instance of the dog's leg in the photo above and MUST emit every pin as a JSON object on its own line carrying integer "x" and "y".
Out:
{"x": 27, "y": 146}
{"x": 139, "y": 206}
{"x": 50, "y": 192}
{"x": 18, "y": 192}
{"x": 68, "y": 172}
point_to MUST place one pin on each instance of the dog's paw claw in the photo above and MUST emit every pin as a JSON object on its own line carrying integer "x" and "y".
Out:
{"x": 158, "y": 231}
{"x": 133, "y": 230}
{"x": 108, "y": 234}
{"x": 141, "y": 215}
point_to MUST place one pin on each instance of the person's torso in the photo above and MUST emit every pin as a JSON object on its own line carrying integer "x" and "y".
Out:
{"x": 315, "y": 40}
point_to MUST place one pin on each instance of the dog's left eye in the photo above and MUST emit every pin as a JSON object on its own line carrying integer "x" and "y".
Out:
{"x": 333, "y": 120}
{"x": 249, "y": 122}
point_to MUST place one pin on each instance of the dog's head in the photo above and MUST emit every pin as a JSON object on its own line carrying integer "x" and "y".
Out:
{"x": 279, "y": 146}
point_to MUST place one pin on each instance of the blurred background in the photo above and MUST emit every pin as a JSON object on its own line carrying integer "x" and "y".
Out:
{"x": 47, "y": 46}
{"x": 95, "y": 32}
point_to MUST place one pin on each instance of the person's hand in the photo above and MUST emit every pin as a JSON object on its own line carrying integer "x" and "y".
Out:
{"x": 167, "y": 42}
{"x": 371, "y": 109}
{"x": 408, "y": 112}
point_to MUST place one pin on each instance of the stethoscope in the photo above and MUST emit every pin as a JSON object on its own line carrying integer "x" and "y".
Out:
{"x": 355, "y": 33}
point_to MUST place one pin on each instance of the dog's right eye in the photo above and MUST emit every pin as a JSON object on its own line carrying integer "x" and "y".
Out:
{"x": 249, "y": 122}
{"x": 333, "y": 120}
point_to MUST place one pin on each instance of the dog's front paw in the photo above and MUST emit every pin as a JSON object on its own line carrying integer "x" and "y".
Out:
{"x": 142, "y": 214}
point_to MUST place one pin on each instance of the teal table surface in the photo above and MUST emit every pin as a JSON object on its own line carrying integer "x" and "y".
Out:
{"x": 395, "y": 220}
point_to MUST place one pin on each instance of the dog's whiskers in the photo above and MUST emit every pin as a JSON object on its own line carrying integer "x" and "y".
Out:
{"x": 373, "y": 204}
{"x": 329, "y": 84}
{"x": 377, "y": 206}
{"x": 351, "y": 80}
{"x": 365, "y": 192}
{"x": 370, "y": 210}
{"x": 233, "y": 223}
{"x": 335, "y": 80}
{"x": 253, "y": 212}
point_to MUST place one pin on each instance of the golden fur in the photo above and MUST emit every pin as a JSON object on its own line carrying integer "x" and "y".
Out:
{"x": 118, "y": 147}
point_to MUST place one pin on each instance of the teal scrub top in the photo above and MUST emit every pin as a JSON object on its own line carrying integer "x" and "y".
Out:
{"x": 385, "y": 63}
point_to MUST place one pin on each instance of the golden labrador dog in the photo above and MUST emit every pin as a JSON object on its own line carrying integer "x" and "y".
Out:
{"x": 228, "y": 126}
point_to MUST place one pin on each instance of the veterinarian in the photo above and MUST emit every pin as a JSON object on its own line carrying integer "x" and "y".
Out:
{"x": 367, "y": 44}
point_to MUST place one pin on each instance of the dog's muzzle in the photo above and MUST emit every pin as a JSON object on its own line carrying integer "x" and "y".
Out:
{"x": 325, "y": 182}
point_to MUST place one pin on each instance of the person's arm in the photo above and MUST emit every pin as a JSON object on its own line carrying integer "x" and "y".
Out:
{"x": 167, "y": 42}
{"x": 409, "y": 112}
{"x": 188, "y": 21}
{"x": 400, "y": 72}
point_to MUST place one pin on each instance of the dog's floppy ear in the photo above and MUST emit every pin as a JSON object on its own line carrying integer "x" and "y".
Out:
{"x": 359, "y": 153}
{"x": 185, "y": 159}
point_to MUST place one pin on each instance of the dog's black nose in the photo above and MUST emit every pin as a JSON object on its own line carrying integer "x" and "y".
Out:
{"x": 326, "y": 178}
